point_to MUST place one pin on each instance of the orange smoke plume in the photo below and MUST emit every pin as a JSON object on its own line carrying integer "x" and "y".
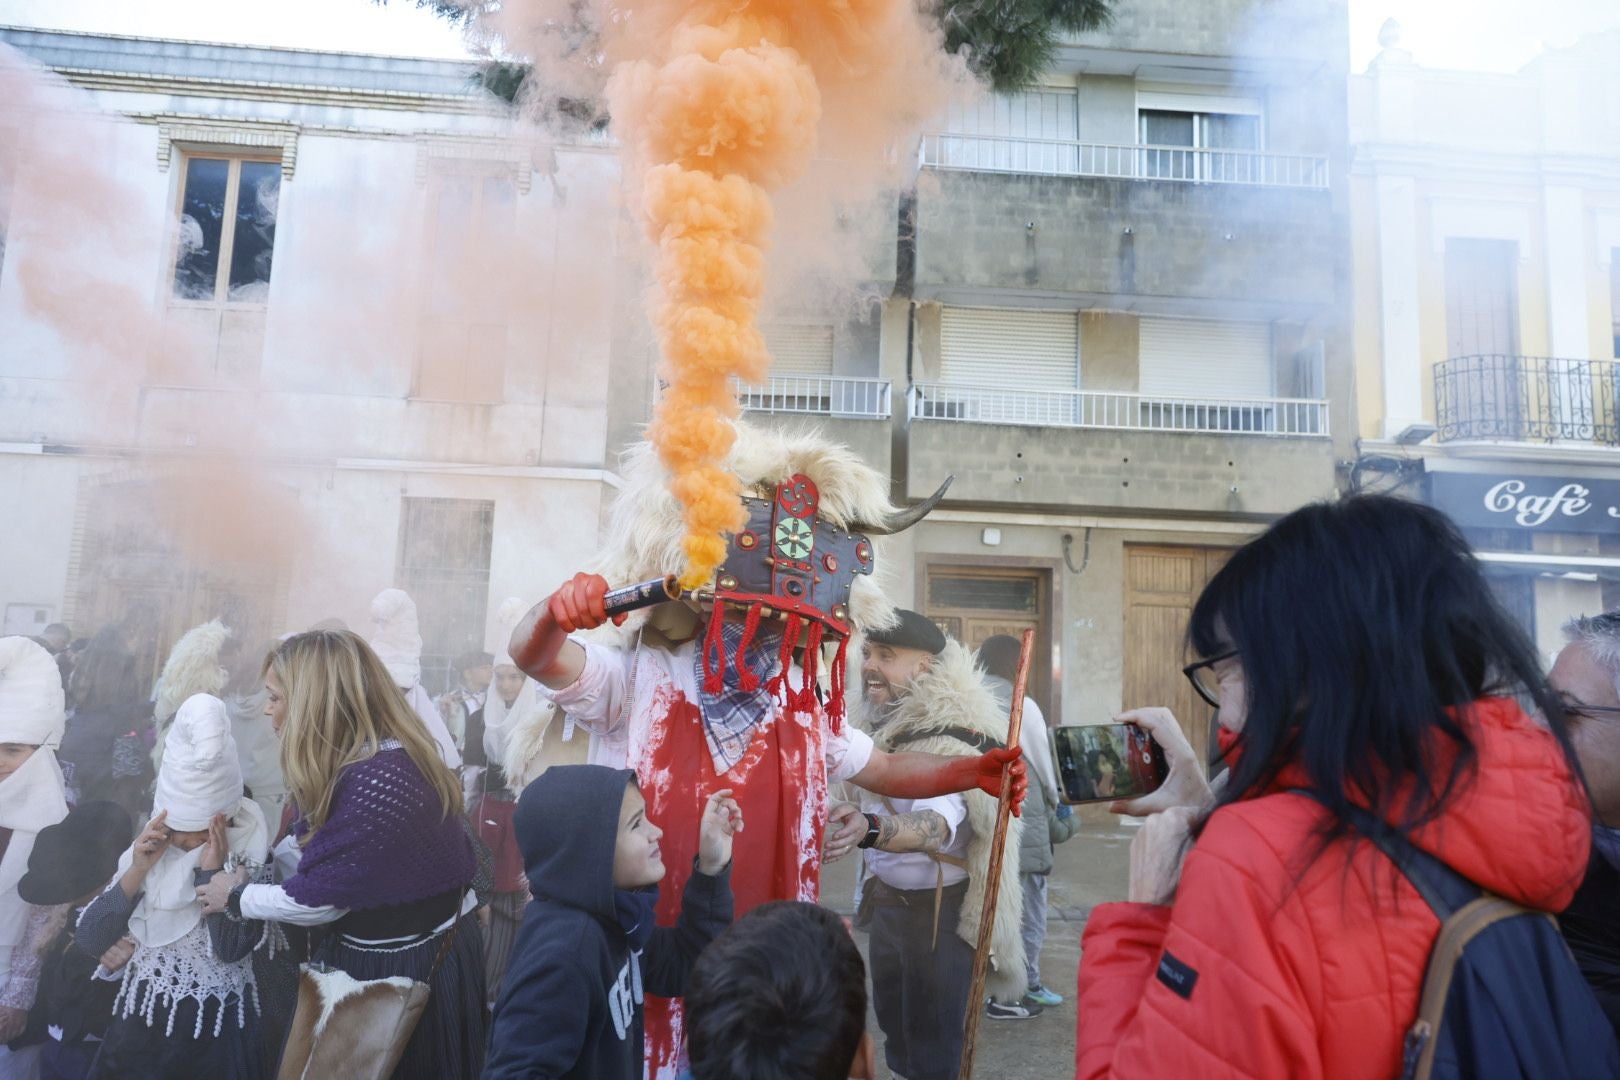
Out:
{"x": 725, "y": 110}
{"x": 728, "y": 113}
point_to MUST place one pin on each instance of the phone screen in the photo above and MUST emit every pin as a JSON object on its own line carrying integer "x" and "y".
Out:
{"x": 1103, "y": 762}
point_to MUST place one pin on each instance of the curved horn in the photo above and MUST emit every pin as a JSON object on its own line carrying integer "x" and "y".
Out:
{"x": 901, "y": 520}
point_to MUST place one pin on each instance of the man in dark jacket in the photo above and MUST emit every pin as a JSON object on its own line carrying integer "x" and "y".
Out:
{"x": 1587, "y": 679}
{"x": 588, "y": 950}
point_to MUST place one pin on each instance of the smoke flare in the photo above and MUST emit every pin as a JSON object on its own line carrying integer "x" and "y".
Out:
{"x": 726, "y": 110}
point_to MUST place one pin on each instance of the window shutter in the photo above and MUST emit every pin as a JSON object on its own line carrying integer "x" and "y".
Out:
{"x": 1205, "y": 358}
{"x": 800, "y": 348}
{"x": 1025, "y": 114}
{"x": 1009, "y": 349}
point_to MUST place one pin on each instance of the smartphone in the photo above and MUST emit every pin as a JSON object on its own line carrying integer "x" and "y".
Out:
{"x": 1104, "y": 762}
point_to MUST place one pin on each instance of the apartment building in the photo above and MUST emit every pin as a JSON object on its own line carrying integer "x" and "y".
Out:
{"x": 1487, "y": 312}
{"x": 1118, "y": 315}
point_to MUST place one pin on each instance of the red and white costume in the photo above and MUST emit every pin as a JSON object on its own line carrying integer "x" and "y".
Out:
{"x": 641, "y": 704}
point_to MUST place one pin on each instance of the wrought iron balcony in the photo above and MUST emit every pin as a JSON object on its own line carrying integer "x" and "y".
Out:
{"x": 1527, "y": 399}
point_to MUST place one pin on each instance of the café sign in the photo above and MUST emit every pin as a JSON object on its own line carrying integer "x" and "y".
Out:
{"x": 1538, "y": 503}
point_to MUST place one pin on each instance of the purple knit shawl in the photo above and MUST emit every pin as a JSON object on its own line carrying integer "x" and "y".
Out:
{"x": 386, "y": 841}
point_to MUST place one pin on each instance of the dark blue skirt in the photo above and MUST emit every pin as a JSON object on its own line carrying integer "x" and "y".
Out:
{"x": 448, "y": 1043}
{"x": 134, "y": 1048}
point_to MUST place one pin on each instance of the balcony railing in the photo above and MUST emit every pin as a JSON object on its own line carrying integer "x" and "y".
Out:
{"x": 1121, "y": 411}
{"x": 819, "y": 395}
{"x": 1527, "y": 399}
{"x": 1061, "y": 157}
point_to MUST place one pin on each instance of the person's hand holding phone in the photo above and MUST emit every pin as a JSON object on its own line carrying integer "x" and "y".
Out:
{"x": 1186, "y": 785}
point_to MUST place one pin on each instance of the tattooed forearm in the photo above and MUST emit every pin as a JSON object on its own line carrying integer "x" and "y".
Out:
{"x": 921, "y": 830}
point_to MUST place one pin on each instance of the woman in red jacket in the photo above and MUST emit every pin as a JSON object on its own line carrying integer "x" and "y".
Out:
{"x": 1354, "y": 649}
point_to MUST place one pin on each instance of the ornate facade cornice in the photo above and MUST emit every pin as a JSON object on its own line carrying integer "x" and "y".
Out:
{"x": 281, "y": 93}
{"x": 236, "y": 134}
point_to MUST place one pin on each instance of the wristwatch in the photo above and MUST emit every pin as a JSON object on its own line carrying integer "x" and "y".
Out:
{"x": 233, "y": 903}
{"x": 871, "y": 836}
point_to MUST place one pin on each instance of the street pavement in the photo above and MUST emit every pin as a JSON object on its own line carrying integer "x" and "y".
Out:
{"x": 1091, "y": 869}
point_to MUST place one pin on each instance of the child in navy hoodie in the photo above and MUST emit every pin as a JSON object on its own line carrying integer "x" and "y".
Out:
{"x": 589, "y": 948}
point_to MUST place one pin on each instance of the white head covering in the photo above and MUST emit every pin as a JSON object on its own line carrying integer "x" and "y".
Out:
{"x": 201, "y": 774}
{"x": 32, "y": 708}
{"x": 31, "y": 713}
{"x": 514, "y": 735}
{"x": 396, "y": 637}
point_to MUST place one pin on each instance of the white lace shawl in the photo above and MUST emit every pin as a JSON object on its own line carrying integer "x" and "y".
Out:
{"x": 186, "y": 968}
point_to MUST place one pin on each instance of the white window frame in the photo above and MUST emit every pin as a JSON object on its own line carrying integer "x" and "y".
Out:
{"x": 227, "y": 238}
{"x": 1200, "y": 106}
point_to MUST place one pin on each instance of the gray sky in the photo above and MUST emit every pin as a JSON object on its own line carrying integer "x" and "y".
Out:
{"x": 1491, "y": 35}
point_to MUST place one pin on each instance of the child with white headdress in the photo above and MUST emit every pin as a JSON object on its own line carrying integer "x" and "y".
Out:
{"x": 32, "y": 716}
{"x": 189, "y": 1004}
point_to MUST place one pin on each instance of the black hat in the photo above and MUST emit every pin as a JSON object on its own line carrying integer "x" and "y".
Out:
{"x": 913, "y": 631}
{"x": 77, "y": 855}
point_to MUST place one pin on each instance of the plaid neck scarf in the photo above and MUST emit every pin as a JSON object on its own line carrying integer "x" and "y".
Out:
{"x": 730, "y": 717}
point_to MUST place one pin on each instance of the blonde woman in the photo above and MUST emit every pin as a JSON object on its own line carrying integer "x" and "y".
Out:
{"x": 381, "y": 861}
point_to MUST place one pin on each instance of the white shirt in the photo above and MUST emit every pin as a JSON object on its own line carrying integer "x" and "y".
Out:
{"x": 1037, "y": 746}
{"x": 915, "y": 869}
{"x": 597, "y": 700}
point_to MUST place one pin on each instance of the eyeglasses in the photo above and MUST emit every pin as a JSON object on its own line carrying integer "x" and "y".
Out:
{"x": 1202, "y": 677}
{"x": 1591, "y": 712}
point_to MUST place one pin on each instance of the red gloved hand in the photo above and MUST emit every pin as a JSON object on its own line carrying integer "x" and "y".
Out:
{"x": 984, "y": 772}
{"x": 576, "y": 605}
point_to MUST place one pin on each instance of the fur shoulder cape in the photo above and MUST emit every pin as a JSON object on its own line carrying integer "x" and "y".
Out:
{"x": 935, "y": 716}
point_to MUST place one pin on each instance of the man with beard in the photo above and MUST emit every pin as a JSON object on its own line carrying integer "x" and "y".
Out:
{"x": 927, "y": 860}
{"x": 1587, "y": 679}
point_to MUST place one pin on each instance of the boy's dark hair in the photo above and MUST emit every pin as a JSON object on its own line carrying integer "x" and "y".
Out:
{"x": 781, "y": 995}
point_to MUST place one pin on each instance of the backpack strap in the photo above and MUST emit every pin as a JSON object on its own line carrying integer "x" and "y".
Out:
{"x": 1442, "y": 888}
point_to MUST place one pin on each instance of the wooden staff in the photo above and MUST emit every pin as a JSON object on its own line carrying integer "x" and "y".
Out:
{"x": 998, "y": 850}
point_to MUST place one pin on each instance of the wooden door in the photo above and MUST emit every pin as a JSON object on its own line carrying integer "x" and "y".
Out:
{"x": 972, "y": 603}
{"x": 1161, "y": 584}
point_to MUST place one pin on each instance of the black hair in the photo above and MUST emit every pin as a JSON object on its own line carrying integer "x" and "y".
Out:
{"x": 780, "y": 995}
{"x": 471, "y": 659}
{"x": 1363, "y": 627}
{"x": 999, "y": 656}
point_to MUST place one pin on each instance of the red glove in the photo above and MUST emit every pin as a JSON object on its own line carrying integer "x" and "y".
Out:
{"x": 984, "y": 772}
{"x": 576, "y": 605}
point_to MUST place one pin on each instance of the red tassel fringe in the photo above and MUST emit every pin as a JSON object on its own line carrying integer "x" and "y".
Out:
{"x": 714, "y": 655}
{"x": 835, "y": 707}
{"x": 780, "y": 687}
{"x": 806, "y": 701}
{"x": 747, "y": 677}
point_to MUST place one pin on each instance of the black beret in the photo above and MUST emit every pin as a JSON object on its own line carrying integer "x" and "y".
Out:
{"x": 76, "y": 856}
{"x": 913, "y": 631}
